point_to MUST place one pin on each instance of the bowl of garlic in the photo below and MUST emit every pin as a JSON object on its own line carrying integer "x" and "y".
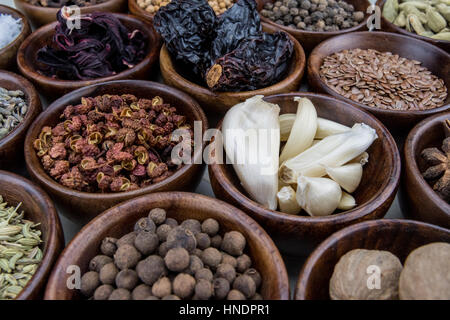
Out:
{"x": 304, "y": 165}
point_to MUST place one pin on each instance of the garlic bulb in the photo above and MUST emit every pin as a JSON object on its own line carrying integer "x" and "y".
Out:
{"x": 318, "y": 196}
{"x": 347, "y": 201}
{"x": 333, "y": 151}
{"x": 287, "y": 201}
{"x": 251, "y": 133}
{"x": 348, "y": 176}
{"x": 303, "y": 130}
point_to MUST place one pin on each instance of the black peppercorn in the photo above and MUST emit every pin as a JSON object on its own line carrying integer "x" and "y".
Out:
{"x": 305, "y": 5}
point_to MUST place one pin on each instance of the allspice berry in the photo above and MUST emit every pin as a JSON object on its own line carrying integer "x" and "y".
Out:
{"x": 226, "y": 271}
{"x": 145, "y": 224}
{"x": 210, "y": 227}
{"x": 226, "y": 258}
{"x": 235, "y": 295}
{"x": 126, "y": 257}
{"x": 195, "y": 264}
{"x": 151, "y": 269}
{"x": 127, "y": 279}
{"x": 255, "y": 275}
{"x": 205, "y": 274}
{"x": 257, "y": 296}
{"x": 126, "y": 239}
{"x": 162, "y": 231}
{"x": 103, "y": 292}
{"x": 108, "y": 246}
{"x": 211, "y": 257}
{"x": 203, "y": 240}
{"x": 203, "y": 289}
{"x": 171, "y": 222}
{"x": 177, "y": 259}
{"x": 350, "y": 278}
{"x": 162, "y": 287}
{"x": 97, "y": 263}
{"x": 171, "y": 297}
{"x": 426, "y": 275}
{"x": 221, "y": 288}
{"x": 183, "y": 285}
{"x": 154, "y": 298}
{"x": 245, "y": 285}
{"x": 180, "y": 237}
{"x": 108, "y": 273}
{"x": 192, "y": 225}
{"x": 146, "y": 242}
{"x": 157, "y": 215}
{"x": 216, "y": 241}
{"x": 233, "y": 243}
{"x": 120, "y": 294}
{"x": 89, "y": 282}
{"x": 243, "y": 263}
{"x": 162, "y": 250}
{"x": 141, "y": 292}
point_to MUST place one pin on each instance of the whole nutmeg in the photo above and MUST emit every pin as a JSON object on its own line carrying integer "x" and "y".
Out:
{"x": 141, "y": 292}
{"x": 97, "y": 263}
{"x": 120, "y": 294}
{"x": 151, "y": 269}
{"x": 226, "y": 271}
{"x": 145, "y": 224}
{"x": 235, "y": 295}
{"x": 192, "y": 225}
{"x": 221, "y": 288}
{"x": 157, "y": 215}
{"x": 205, "y": 274}
{"x": 245, "y": 285}
{"x": 127, "y": 239}
{"x": 210, "y": 227}
{"x": 127, "y": 279}
{"x": 108, "y": 246}
{"x": 243, "y": 263}
{"x": 177, "y": 259}
{"x": 350, "y": 277}
{"x": 103, "y": 292}
{"x": 89, "y": 282}
{"x": 146, "y": 242}
{"x": 108, "y": 273}
{"x": 162, "y": 287}
{"x": 426, "y": 274}
{"x": 211, "y": 257}
{"x": 183, "y": 285}
{"x": 233, "y": 243}
{"x": 203, "y": 289}
{"x": 126, "y": 257}
{"x": 180, "y": 237}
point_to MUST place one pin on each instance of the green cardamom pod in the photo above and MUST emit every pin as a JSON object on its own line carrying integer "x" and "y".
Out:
{"x": 400, "y": 21}
{"x": 418, "y": 4}
{"x": 390, "y": 10}
{"x": 444, "y": 10}
{"x": 436, "y": 22}
{"x": 410, "y": 9}
{"x": 416, "y": 25}
{"x": 442, "y": 36}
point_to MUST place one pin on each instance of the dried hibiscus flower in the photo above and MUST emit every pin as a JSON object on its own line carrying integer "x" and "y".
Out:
{"x": 101, "y": 47}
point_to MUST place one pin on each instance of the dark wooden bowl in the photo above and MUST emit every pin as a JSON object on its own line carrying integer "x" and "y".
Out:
{"x": 83, "y": 206}
{"x": 8, "y": 53}
{"x": 418, "y": 198}
{"x": 11, "y": 146}
{"x": 390, "y": 27}
{"x": 181, "y": 206}
{"x": 433, "y": 58}
{"x": 310, "y": 39}
{"x": 374, "y": 196}
{"x": 220, "y": 102}
{"x": 135, "y": 10}
{"x": 37, "y": 207}
{"x": 40, "y": 16}
{"x": 55, "y": 88}
{"x": 400, "y": 237}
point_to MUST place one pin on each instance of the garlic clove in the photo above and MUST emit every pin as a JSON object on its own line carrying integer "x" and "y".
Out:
{"x": 348, "y": 176}
{"x": 347, "y": 202}
{"x": 286, "y": 123}
{"x": 327, "y": 128}
{"x": 287, "y": 201}
{"x": 318, "y": 196}
{"x": 363, "y": 159}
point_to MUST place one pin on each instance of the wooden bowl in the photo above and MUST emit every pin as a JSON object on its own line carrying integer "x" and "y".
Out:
{"x": 400, "y": 237}
{"x": 37, "y": 207}
{"x": 11, "y": 146}
{"x": 310, "y": 39}
{"x": 181, "y": 206}
{"x": 83, "y": 206}
{"x": 390, "y": 27}
{"x": 8, "y": 53}
{"x": 40, "y": 16}
{"x": 374, "y": 196}
{"x": 418, "y": 198}
{"x": 433, "y": 58}
{"x": 220, "y": 102}
{"x": 54, "y": 88}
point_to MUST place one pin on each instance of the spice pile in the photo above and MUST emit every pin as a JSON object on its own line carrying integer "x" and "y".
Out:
{"x": 11, "y": 29}
{"x": 313, "y": 15}
{"x": 101, "y": 47}
{"x": 20, "y": 254}
{"x": 423, "y": 277}
{"x": 319, "y": 159}
{"x": 438, "y": 171}
{"x": 383, "y": 80}
{"x": 151, "y": 6}
{"x": 12, "y": 110}
{"x": 111, "y": 143}
{"x": 426, "y": 18}
{"x": 62, "y": 3}
{"x": 230, "y": 52}
{"x": 163, "y": 260}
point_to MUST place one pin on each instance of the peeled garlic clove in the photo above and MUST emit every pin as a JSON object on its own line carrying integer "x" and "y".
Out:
{"x": 287, "y": 201}
{"x": 318, "y": 196}
{"x": 286, "y": 123}
{"x": 363, "y": 159}
{"x": 347, "y": 201}
{"x": 348, "y": 176}
{"x": 327, "y": 128}
{"x": 303, "y": 130}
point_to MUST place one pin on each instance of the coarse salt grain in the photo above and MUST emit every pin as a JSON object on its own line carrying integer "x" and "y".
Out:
{"x": 10, "y": 27}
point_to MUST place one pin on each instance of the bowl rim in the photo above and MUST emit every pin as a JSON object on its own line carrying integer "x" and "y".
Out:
{"x": 98, "y": 6}
{"x": 316, "y": 77}
{"x": 25, "y": 26}
{"x": 33, "y": 103}
{"x": 298, "y": 32}
{"x": 30, "y": 70}
{"x": 55, "y": 236}
{"x": 411, "y": 163}
{"x": 411, "y": 34}
{"x": 308, "y": 266}
{"x": 134, "y": 8}
{"x": 388, "y": 188}
{"x": 298, "y": 71}
{"x": 45, "y": 180}
{"x": 234, "y": 214}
